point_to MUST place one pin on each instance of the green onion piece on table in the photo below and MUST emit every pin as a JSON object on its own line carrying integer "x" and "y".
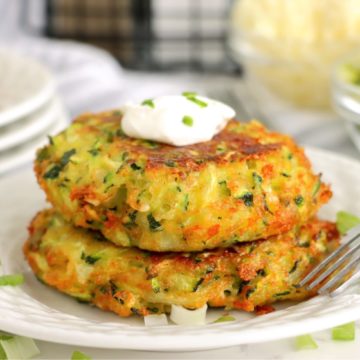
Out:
{"x": 11, "y": 280}
{"x": 5, "y": 336}
{"x": 305, "y": 342}
{"x": 2, "y": 353}
{"x": 344, "y": 332}
{"x": 78, "y": 355}
{"x": 18, "y": 347}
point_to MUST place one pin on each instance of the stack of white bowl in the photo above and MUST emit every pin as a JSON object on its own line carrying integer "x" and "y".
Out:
{"x": 29, "y": 109}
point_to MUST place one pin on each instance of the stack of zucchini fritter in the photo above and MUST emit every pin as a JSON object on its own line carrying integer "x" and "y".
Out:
{"x": 137, "y": 226}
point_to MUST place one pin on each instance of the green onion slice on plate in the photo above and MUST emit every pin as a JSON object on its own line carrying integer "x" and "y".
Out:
{"x": 305, "y": 342}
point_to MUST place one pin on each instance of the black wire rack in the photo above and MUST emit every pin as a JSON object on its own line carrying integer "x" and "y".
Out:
{"x": 147, "y": 34}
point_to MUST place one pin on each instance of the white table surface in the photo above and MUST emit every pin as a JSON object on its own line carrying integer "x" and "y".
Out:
{"x": 323, "y": 130}
{"x": 276, "y": 350}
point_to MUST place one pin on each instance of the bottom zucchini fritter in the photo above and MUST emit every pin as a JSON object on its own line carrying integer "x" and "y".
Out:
{"x": 129, "y": 281}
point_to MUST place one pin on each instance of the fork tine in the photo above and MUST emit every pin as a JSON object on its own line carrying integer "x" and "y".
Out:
{"x": 345, "y": 284}
{"x": 333, "y": 281}
{"x": 334, "y": 266}
{"x": 348, "y": 240}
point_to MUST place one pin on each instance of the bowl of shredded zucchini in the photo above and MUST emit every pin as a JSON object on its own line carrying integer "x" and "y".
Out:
{"x": 290, "y": 47}
{"x": 346, "y": 94}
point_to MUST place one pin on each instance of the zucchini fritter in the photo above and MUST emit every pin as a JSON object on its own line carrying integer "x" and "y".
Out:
{"x": 131, "y": 281}
{"x": 245, "y": 184}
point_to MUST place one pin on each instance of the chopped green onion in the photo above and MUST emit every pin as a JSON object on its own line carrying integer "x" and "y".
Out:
{"x": 5, "y": 336}
{"x": 299, "y": 200}
{"x": 94, "y": 152}
{"x": 53, "y": 173}
{"x": 247, "y": 198}
{"x": 18, "y": 347}
{"x": 224, "y": 318}
{"x": 148, "y": 102}
{"x": 186, "y": 202}
{"x": 90, "y": 259}
{"x": 170, "y": 163}
{"x": 197, "y": 101}
{"x": 11, "y": 280}
{"x": 66, "y": 157}
{"x": 42, "y": 154}
{"x": 293, "y": 269}
{"x": 197, "y": 284}
{"x": 316, "y": 188}
{"x": 189, "y": 93}
{"x": 181, "y": 316}
{"x": 155, "y": 320}
{"x": 224, "y": 189}
{"x": 78, "y": 355}
{"x": 305, "y": 342}
{"x": 257, "y": 178}
{"x": 344, "y": 332}
{"x": 155, "y": 285}
{"x": 284, "y": 293}
{"x": 188, "y": 120}
{"x": 117, "y": 113}
{"x": 55, "y": 170}
{"x": 2, "y": 353}
{"x": 153, "y": 224}
{"x": 51, "y": 140}
{"x": 191, "y": 96}
{"x": 345, "y": 221}
{"x": 135, "y": 167}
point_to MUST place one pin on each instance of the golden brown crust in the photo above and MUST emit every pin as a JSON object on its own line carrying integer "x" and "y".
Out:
{"x": 227, "y": 146}
{"x": 245, "y": 184}
{"x": 249, "y": 277}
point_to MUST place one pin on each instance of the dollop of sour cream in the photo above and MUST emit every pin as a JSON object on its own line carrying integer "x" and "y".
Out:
{"x": 177, "y": 120}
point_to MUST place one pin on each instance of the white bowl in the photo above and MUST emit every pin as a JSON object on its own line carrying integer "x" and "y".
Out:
{"x": 346, "y": 98}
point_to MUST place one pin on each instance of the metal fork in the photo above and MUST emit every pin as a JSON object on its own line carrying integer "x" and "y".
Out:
{"x": 336, "y": 272}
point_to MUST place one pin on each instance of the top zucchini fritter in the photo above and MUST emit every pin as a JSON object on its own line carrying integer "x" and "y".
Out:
{"x": 246, "y": 183}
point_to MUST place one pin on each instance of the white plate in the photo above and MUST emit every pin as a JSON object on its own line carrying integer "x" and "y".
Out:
{"x": 30, "y": 126}
{"x": 24, "y": 153}
{"x": 40, "y": 312}
{"x": 25, "y": 85}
